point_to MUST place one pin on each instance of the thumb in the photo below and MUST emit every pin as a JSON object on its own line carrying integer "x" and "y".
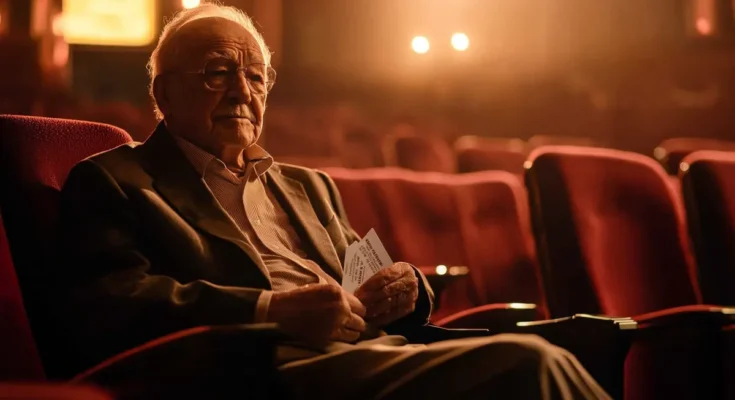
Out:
{"x": 356, "y": 305}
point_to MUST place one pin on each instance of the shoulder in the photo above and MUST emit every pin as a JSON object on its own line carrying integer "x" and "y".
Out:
{"x": 123, "y": 154}
{"x": 116, "y": 163}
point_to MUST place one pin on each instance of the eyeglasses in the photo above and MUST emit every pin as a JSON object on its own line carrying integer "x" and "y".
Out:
{"x": 219, "y": 74}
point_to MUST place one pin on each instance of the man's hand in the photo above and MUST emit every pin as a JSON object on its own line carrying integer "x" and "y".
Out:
{"x": 390, "y": 294}
{"x": 318, "y": 314}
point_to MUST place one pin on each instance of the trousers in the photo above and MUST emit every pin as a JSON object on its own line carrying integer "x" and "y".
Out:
{"x": 506, "y": 366}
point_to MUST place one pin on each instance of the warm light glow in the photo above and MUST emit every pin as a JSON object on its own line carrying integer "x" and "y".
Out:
{"x": 684, "y": 167}
{"x": 460, "y": 41}
{"x": 458, "y": 270}
{"x": 703, "y": 26}
{"x": 109, "y": 22}
{"x": 60, "y": 54}
{"x": 57, "y": 25}
{"x": 522, "y": 306}
{"x": 190, "y": 3}
{"x": 420, "y": 44}
{"x": 659, "y": 153}
{"x": 441, "y": 269}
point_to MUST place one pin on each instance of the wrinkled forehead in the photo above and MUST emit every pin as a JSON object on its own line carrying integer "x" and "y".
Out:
{"x": 210, "y": 37}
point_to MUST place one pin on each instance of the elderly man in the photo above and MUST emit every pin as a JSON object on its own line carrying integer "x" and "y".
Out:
{"x": 199, "y": 226}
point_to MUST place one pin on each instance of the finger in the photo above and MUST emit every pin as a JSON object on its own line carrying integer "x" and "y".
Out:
{"x": 386, "y": 305}
{"x": 394, "y": 315}
{"x": 355, "y": 323}
{"x": 356, "y": 305}
{"x": 408, "y": 283}
{"x": 384, "y": 277}
{"x": 345, "y": 335}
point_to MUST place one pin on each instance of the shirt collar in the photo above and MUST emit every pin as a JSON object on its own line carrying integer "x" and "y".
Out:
{"x": 258, "y": 160}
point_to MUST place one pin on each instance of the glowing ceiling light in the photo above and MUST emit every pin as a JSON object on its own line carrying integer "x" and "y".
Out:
{"x": 460, "y": 41}
{"x": 190, "y": 3}
{"x": 703, "y": 26}
{"x": 420, "y": 44}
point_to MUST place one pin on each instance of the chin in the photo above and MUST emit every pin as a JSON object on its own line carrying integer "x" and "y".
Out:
{"x": 238, "y": 137}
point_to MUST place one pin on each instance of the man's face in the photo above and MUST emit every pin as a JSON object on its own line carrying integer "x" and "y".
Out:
{"x": 215, "y": 120}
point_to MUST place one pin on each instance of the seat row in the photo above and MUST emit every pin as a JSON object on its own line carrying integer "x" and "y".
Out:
{"x": 473, "y": 153}
{"x": 610, "y": 232}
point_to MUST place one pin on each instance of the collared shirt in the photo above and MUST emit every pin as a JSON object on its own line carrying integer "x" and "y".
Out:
{"x": 265, "y": 225}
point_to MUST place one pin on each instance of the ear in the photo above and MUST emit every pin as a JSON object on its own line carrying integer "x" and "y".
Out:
{"x": 160, "y": 95}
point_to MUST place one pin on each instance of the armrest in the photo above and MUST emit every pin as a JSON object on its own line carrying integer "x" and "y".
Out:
{"x": 699, "y": 316}
{"x": 207, "y": 360}
{"x": 51, "y": 391}
{"x": 579, "y": 328}
{"x": 497, "y": 317}
{"x": 431, "y": 333}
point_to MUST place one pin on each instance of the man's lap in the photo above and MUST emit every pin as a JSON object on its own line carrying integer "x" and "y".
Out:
{"x": 390, "y": 365}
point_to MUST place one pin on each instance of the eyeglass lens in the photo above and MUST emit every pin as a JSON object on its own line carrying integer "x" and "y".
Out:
{"x": 220, "y": 73}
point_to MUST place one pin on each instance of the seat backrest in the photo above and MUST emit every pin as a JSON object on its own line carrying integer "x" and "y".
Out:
{"x": 36, "y": 155}
{"x": 364, "y": 207}
{"x": 477, "y": 220}
{"x": 420, "y": 153}
{"x": 560, "y": 140}
{"x": 424, "y": 216}
{"x": 484, "y": 159}
{"x": 422, "y": 211}
{"x": 610, "y": 233}
{"x": 671, "y": 152}
{"x": 19, "y": 358}
{"x": 708, "y": 184}
{"x": 496, "y": 229}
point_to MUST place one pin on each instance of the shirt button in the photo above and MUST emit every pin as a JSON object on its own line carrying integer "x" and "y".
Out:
{"x": 257, "y": 222}
{"x": 277, "y": 247}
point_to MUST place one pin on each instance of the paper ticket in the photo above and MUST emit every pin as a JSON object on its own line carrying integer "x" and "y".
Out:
{"x": 363, "y": 259}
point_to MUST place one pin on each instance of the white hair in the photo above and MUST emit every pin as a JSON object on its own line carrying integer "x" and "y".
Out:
{"x": 206, "y": 10}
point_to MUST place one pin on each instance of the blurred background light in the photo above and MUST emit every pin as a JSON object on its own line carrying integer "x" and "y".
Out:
{"x": 108, "y": 22}
{"x": 190, "y": 3}
{"x": 420, "y": 44}
{"x": 703, "y": 26}
{"x": 460, "y": 41}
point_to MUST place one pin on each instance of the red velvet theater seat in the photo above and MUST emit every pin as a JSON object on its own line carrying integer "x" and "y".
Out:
{"x": 482, "y": 159}
{"x": 496, "y": 230}
{"x": 363, "y": 205}
{"x": 25, "y": 391}
{"x": 612, "y": 240}
{"x": 672, "y": 151}
{"x": 419, "y": 153}
{"x": 488, "y": 154}
{"x": 36, "y": 155}
{"x": 708, "y": 180}
{"x": 608, "y": 228}
{"x": 477, "y": 220}
{"x": 423, "y": 213}
{"x": 560, "y": 140}
{"x": 19, "y": 358}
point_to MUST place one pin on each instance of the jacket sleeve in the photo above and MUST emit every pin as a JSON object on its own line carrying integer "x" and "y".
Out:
{"x": 112, "y": 293}
{"x": 425, "y": 301}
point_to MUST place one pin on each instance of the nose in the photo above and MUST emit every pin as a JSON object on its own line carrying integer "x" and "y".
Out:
{"x": 239, "y": 91}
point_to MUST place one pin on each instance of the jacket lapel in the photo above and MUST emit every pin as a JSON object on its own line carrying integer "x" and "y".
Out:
{"x": 296, "y": 203}
{"x": 178, "y": 182}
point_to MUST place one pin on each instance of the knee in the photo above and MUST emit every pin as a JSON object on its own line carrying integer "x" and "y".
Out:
{"x": 524, "y": 348}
